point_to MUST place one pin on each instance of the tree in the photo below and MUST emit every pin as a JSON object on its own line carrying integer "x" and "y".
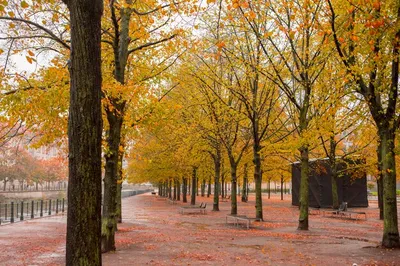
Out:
{"x": 84, "y": 134}
{"x": 368, "y": 45}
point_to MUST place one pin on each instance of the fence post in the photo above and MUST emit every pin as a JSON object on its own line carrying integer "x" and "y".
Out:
{"x": 41, "y": 208}
{"x": 32, "y": 207}
{"x": 12, "y": 212}
{"x": 49, "y": 206}
{"x": 63, "y": 205}
{"x": 21, "y": 218}
{"x": 56, "y": 206}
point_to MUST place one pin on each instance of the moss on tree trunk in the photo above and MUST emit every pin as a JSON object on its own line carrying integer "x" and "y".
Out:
{"x": 109, "y": 223}
{"x": 83, "y": 245}
{"x": 390, "y": 237}
{"x": 303, "y": 219}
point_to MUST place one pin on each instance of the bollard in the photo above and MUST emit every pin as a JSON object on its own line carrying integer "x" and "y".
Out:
{"x": 21, "y": 218}
{"x": 63, "y": 205}
{"x": 56, "y": 206}
{"x": 41, "y": 208}
{"x": 33, "y": 205}
{"x": 17, "y": 209}
{"x": 12, "y": 212}
{"x": 49, "y": 206}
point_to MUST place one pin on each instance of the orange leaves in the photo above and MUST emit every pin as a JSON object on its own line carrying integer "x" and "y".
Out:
{"x": 252, "y": 15}
{"x": 377, "y": 5}
{"x": 220, "y": 45}
{"x": 29, "y": 59}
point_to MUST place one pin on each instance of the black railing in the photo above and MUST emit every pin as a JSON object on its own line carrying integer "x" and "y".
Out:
{"x": 129, "y": 193}
{"x": 23, "y": 210}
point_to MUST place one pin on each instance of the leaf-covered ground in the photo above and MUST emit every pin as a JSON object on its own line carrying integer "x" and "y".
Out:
{"x": 154, "y": 233}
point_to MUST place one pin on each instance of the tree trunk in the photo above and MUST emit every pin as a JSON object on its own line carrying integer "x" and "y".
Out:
{"x": 303, "y": 219}
{"x": 245, "y": 186}
{"x": 178, "y": 192}
{"x": 197, "y": 186}
{"x": 170, "y": 189}
{"x": 281, "y": 188}
{"x": 333, "y": 165}
{"x": 119, "y": 201}
{"x": 233, "y": 189}
{"x": 390, "y": 237}
{"x": 194, "y": 182}
{"x": 380, "y": 195}
{"x": 222, "y": 186}
{"x": 203, "y": 188}
{"x": 209, "y": 188}
{"x": 258, "y": 180}
{"x": 189, "y": 191}
{"x": 109, "y": 218}
{"x": 379, "y": 181}
{"x": 217, "y": 174}
{"x": 175, "y": 189}
{"x": 120, "y": 179}
{"x": 269, "y": 188}
{"x": 184, "y": 189}
{"x": 83, "y": 242}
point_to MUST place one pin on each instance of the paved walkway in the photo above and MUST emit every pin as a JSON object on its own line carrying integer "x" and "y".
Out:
{"x": 154, "y": 233}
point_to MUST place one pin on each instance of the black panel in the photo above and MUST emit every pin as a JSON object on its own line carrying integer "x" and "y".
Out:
{"x": 351, "y": 187}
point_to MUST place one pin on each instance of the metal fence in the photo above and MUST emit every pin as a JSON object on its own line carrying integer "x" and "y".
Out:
{"x": 129, "y": 193}
{"x": 23, "y": 210}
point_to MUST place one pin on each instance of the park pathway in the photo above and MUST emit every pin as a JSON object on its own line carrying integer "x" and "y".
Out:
{"x": 154, "y": 233}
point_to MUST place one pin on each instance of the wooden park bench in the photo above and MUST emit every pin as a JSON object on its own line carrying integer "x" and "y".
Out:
{"x": 352, "y": 214}
{"x": 171, "y": 201}
{"x": 193, "y": 209}
{"x": 226, "y": 199}
{"x": 343, "y": 212}
{"x": 238, "y": 218}
{"x": 161, "y": 198}
{"x": 336, "y": 212}
{"x": 314, "y": 211}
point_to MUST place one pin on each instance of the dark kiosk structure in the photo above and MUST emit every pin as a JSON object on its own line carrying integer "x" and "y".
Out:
{"x": 351, "y": 188}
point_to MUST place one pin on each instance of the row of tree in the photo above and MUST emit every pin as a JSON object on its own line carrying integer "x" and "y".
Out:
{"x": 29, "y": 172}
{"x": 292, "y": 80}
{"x": 283, "y": 78}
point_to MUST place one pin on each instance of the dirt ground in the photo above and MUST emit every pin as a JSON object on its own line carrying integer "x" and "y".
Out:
{"x": 154, "y": 233}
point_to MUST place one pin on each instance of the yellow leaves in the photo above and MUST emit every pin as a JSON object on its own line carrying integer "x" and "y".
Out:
{"x": 1, "y": 51}
{"x": 121, "y": 149}
{"x": 55, "y": 17}
{"x": 31, "y": 53}
{"x": 268, "y": 34}
{"x": 291, "y": 34}
{"x": 252, "y": 15}
{"x": 350, "y": 10}
{"x": 24, "y": 4}
{"x": 210, "y": 2}
{"x": 11, "y": 14}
